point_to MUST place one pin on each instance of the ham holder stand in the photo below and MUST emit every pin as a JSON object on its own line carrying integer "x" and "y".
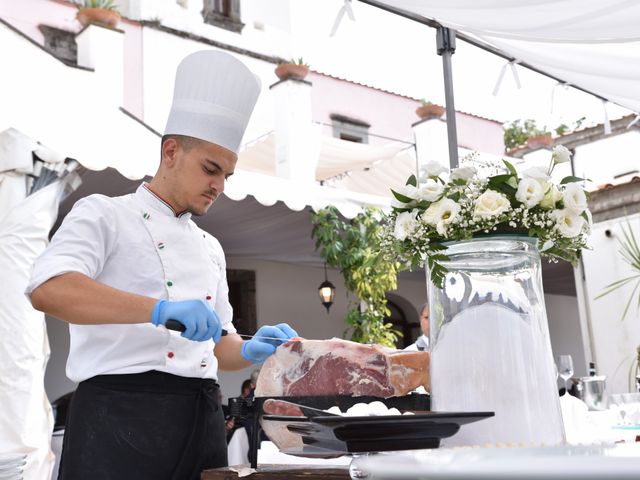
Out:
{"x": 325, "y": 435}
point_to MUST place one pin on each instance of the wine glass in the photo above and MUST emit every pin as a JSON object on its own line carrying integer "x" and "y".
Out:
{"x": 565, "y": 369}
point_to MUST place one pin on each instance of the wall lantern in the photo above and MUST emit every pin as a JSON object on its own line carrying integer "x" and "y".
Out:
{"x": 327, "y": 291}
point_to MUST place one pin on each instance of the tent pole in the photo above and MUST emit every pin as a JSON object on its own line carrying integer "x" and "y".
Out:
{"x": 446, "y": 44}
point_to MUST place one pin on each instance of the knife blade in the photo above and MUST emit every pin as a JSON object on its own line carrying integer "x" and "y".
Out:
{"x": 177, "y": 326}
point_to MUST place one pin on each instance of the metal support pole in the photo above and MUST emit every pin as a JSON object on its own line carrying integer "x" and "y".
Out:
{"x": 446, "y": 44}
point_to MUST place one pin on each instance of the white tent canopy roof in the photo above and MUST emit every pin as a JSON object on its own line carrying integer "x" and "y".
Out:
{"x": 592, "y": 44}
{"x": 130, "y": 146}
{"x": 336, "y": 156}
{"x": 394, "y": 172}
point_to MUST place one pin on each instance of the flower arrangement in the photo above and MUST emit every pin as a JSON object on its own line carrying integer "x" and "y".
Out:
{"x": 433, "y": 209}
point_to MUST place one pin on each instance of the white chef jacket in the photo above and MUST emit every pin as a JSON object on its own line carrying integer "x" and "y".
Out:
{"x": 136, "y": 243}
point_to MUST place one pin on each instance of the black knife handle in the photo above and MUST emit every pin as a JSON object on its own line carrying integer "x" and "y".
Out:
{"x": 179, "y": 327}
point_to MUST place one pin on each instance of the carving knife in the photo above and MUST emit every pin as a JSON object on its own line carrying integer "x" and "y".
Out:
{"x": 179, "y": 327}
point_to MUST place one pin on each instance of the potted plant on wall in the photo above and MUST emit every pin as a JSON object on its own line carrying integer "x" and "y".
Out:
{"x": 564, "y": 129}
{"x": 520, "y": 132}
{"x": 297, "y": 69}
{"x": 428, "y": 110}
{"x": 542, "y": 139}
{"x": 100, "y": 12}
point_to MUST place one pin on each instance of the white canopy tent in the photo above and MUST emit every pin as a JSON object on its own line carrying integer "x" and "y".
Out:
{"x": 590, "y": 44}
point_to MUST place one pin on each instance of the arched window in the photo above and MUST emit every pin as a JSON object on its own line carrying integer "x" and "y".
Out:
{"x": 410, "y": 330}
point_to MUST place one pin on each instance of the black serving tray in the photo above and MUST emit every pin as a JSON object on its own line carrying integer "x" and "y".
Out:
{"x": 341, "y": 435}
{"x": 252, "y": 409}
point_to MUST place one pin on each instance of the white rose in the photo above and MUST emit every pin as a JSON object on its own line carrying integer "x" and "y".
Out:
{"x": 405, "y": 224}
{"x": 561, "y": 154}
{"x": 551, "y": 197}
{"x": 529, "y": 192}
{"x": 430, "y": 191}
{"x": 568, "y": 223}
{"x": 430, "y": 215}
{"x": 449, "y": 212}
{"x": 432, "y": 169}
{"x": 442, "y": 213}
{"x": 408, "y": 191}
{"x": 537, "y": 173}
{"x": 574, "y": 198}
{"x": 463, "y": 173}
{"x": 491, "y": 204}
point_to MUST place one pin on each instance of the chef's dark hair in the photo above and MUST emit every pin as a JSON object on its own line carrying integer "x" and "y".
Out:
{"x": 185, "y": 142}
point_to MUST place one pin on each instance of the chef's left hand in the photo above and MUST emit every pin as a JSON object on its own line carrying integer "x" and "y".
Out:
{"x": 259, "y": 348}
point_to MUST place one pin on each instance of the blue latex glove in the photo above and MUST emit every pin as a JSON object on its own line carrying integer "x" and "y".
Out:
{"x": 200, "y": 320}
{"x": 258, "y": 349}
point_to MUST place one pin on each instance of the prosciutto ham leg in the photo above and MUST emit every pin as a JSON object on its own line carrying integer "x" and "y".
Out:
{"x": 341, "y": 367}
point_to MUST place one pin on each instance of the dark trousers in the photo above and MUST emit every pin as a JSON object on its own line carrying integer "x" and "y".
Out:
{"x": 142, "y": 426}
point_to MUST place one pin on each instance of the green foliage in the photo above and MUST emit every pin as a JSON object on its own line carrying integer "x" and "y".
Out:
{"x": 299, "y": 61}
{"x": 353, "y": 246}
{"x": 106, "y": 4}
{"x": 424, "y": 101}
{"x": 517, "y": 132}
{"x": 563, "y": 128}
{"x": 630, "y": 251}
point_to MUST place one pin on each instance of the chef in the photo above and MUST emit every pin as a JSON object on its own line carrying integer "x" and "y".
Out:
{"x": 422, "y": 343}
{"x": 146, "y": 406}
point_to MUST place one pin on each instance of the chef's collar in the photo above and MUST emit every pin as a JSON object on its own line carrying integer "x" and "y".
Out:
{"x": 146, "y": 196}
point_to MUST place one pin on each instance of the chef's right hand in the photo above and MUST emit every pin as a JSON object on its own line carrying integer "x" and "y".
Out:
{"x": 200, "y": 320}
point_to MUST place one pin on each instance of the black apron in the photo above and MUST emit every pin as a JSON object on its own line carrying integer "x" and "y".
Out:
{"x": 150, "y": 425}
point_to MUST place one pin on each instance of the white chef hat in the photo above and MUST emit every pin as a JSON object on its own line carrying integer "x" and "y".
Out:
{"x": 213, "y": 98}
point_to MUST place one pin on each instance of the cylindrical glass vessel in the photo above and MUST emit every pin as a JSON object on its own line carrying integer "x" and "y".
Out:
{"x": 490, "y": 346}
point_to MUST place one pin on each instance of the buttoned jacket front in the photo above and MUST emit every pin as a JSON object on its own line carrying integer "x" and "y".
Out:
{"x": 136, "y": 243}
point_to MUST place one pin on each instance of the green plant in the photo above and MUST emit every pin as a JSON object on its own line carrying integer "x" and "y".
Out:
{"x": 425, "y": 102}
{"x": 299, "y": 61}
{"x": 563, "y": 128}
{"x": 630, "y": 251}
{"x": 105, "y": 4}
{"x": 353, "y": 246}
{"x": 518, "y": 131}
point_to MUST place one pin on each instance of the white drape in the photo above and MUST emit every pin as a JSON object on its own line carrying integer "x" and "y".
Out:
{"x": 26, "y": 420}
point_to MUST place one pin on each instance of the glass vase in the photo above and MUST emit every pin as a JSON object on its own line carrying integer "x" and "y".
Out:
{"x": 490, "y": 346}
